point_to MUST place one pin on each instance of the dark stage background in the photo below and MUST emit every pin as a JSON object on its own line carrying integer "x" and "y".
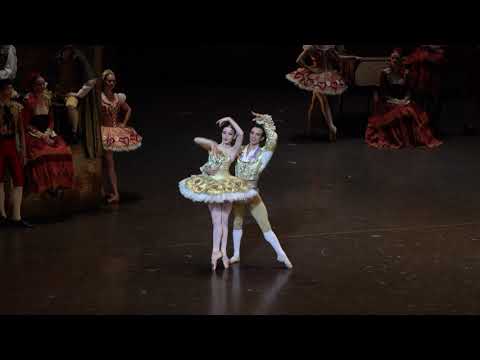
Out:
{"x": 188, "y": 73}
{"x": 150, "y": 72}
{"x": 259, "y": 65}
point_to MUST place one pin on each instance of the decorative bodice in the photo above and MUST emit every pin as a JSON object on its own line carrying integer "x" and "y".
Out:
{"x": 111, "y": 109}
{"x": 217, "y": 166}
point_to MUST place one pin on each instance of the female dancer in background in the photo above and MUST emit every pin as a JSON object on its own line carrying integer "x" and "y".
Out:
{"x": 320, "y": 74}
{"x": 116, "y": 136}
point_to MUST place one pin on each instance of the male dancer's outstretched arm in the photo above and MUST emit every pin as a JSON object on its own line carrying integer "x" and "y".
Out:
{"x": 271, "y": 135}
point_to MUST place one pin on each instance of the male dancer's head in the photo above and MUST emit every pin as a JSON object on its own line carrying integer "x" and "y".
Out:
{"x": 257, "y": 135}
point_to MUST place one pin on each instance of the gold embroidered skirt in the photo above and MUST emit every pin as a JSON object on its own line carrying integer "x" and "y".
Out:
{"x": 210, "y": 189}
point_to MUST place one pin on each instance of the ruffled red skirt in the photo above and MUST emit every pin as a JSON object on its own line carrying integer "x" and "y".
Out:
{"x": 49, "y": 167}
{"x": 399, "y": 126}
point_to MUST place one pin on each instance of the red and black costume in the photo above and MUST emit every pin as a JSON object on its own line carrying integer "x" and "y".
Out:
{"x": 397, "y": 121}
{"x": 49, "y": 165}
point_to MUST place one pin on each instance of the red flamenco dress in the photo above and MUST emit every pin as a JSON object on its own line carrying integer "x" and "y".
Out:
{"x": 397, "y": 121}
{"x": 425, "y": 66}
{"x": 49, "y": 159}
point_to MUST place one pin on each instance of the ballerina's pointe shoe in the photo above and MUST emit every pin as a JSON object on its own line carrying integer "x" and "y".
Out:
{"x": 285, "y": 261}
{"x": 216, "y": 255}
{"x": 234, "y": 259}
{"x": 226, "y": 262}
{"x": 332, "y": 135}
{"x": 113, "y": 199}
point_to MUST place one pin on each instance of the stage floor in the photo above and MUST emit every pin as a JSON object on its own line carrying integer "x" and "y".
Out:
{"x": 368, "y": 231}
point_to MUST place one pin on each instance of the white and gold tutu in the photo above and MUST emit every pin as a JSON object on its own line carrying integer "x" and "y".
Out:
{"x": 217, "y": 188}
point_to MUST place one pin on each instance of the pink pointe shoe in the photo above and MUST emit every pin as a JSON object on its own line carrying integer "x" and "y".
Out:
{"x": 216, "y": 255}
